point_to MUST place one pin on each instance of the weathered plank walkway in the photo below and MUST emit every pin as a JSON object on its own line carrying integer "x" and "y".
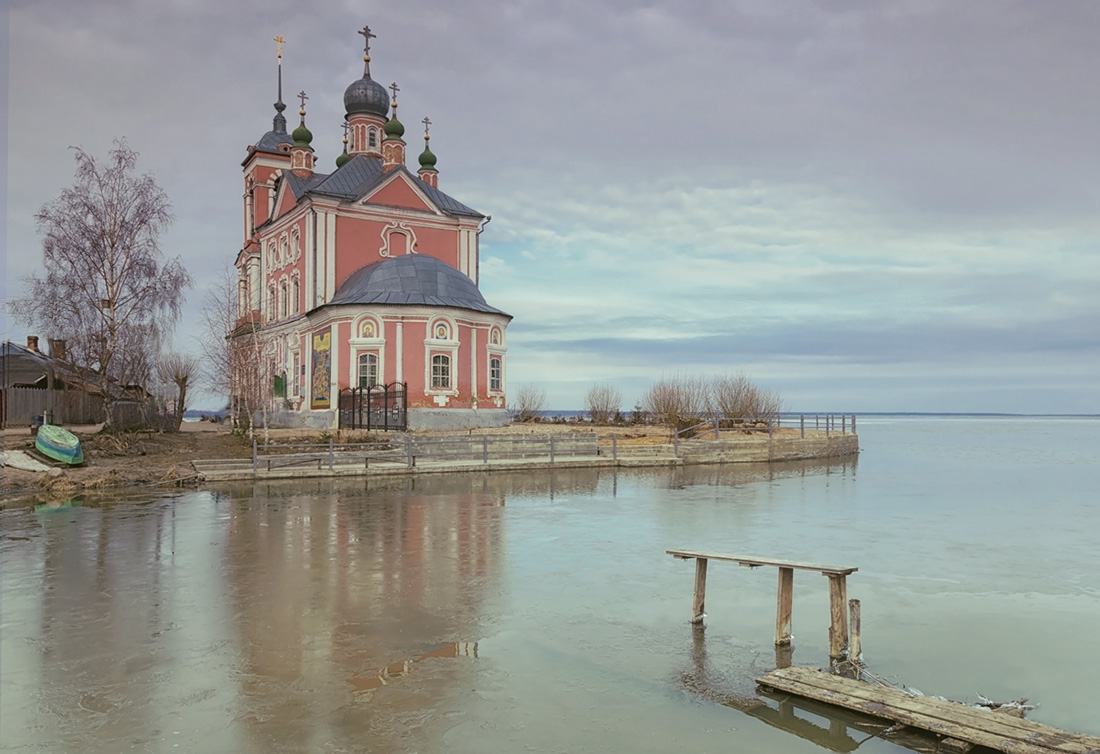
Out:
{"x": 952, "y": 720}
{"x": 838, "y": 593}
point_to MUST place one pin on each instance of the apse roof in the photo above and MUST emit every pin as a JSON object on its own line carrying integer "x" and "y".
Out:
{"x": 412, "y": 279}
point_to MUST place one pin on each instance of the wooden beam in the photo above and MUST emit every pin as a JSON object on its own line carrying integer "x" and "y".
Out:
{"x": 995, "y": 730}
{"x": 784, "y": 604}
{"x": 699, "y": 602}
{"x": 855, "y": 650}
{"x": 753, "y": 562}
{"x": 838, "y": 613}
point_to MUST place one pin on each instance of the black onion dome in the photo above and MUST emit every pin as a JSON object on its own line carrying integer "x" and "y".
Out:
{"x": 368, "y": 97}
{"x": 412, "y": 279}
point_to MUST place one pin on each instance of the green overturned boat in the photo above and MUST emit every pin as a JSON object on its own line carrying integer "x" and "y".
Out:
{"x": 59, "y": 444}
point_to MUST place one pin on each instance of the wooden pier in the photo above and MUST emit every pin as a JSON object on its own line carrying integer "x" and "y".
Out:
{"x": 959, "y": 726}
{"x": 838, "y": 594}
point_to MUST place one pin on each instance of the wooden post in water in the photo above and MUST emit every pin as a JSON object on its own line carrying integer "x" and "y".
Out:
{"x": 330, "y": 453}
{"x": 784, "y": 602}
{"x": 802, "y": 425}
{"x": 699, "y": 600}
{"x": 614, "y": 447}
{"x": 551, "y": 448}
{"x": 485, "y": 448}
{"x": 838, "y": 614}
{"x": 255, "y": 457}
{"x": 855, "y": 652}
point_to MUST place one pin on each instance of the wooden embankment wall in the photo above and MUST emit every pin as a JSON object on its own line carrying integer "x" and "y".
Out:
{"x": 781, "y": 446}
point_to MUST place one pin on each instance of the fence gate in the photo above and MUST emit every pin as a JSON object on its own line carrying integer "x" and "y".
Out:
{"x": 379, "y": 407}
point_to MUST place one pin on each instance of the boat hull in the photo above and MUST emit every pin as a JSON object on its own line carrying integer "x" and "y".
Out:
{"x": 59, "y": 444}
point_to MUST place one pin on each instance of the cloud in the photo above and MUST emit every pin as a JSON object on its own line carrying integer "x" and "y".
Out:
{"x": 883, "y": 195}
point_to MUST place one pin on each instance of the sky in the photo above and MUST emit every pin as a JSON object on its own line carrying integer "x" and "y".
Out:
{"x": 862, "y": 205}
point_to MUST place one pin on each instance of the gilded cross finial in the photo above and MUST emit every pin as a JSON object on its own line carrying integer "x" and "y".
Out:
{"x": 346, "y": 126}
{"x": 279, "y": 46}
{"x": 395, "y": 89}
{"x": 303, "y": 97}
{"x": 426, "y": 123}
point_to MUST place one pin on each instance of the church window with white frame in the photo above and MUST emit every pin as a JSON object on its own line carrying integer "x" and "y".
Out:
{"x": 441, "y": 372}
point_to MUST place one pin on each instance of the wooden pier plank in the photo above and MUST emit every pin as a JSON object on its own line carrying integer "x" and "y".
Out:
{"x": 753, "y": 562}
{"x": 995, "y": 730}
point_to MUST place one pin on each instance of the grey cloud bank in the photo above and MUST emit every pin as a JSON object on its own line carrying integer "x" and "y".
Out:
{"x": 869, "y": 206}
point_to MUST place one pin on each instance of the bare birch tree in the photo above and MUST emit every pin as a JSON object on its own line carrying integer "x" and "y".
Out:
{"x": 106, "y": 287}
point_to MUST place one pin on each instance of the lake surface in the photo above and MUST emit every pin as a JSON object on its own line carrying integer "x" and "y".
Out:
{"x": 539, "y": 611}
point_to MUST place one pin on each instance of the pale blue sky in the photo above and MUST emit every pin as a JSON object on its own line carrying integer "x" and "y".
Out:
{"x": 865, "y": 205}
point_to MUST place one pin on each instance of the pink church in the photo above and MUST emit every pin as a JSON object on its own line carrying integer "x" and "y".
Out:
{"x": 364, "y": 280}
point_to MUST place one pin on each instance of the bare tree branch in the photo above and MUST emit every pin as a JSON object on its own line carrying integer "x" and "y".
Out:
{"x": 106, "y": 288}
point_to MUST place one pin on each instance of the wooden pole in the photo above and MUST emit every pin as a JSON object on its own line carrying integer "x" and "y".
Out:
{"x": 697, "y": 603}
{"x": 855, "y": 653}
{"x": 838, "y": 612}
{"x": 784, "y": 602}
{"x": 615, "y": 447}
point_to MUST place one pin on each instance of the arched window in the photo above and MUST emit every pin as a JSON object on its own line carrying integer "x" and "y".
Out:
{"x": 295, "y": 295}
{"x": 372, "y": 138}
{"x": 282, "y": 300}
{"x": 368, "y": 369}
{"x": 271, "y": 301}
{"x": 441, "y": 372}
{"x": 495, "y": 380}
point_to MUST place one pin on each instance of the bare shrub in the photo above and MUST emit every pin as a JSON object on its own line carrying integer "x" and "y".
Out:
{"x": 603, "y": 402}
{"x": 529, "y": 401}
{"x": 678, "y": 401}
{"x": 179, "y": 370}
{"x": 736, "y": 397}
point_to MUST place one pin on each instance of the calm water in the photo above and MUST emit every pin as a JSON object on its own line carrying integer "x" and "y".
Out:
{"x": 538, "y": 612}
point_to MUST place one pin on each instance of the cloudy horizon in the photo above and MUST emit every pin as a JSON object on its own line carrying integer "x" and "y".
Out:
{"x": 864, "y": 206}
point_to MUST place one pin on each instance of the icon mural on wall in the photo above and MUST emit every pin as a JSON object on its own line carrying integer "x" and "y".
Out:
{"x": 322, "y": 370}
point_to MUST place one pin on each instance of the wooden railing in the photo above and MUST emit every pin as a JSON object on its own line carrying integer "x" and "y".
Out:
{"x": 407, "y": 450}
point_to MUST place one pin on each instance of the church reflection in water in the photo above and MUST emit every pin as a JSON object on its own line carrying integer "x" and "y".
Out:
{"x": 338, "y": 591}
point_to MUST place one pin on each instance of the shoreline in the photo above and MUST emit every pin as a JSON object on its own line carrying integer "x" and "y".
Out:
{"x": 206, "y": 452}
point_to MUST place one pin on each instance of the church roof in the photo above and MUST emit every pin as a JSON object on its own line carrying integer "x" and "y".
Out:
{"x": 271, "y": 141}
{"x": 412, "y": 279}
{"x": 359, "y": 175}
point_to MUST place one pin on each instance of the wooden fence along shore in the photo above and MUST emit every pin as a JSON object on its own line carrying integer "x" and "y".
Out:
{"x": 827, "y": 437}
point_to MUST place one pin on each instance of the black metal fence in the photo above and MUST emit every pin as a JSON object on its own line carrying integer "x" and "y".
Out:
{"x": 378, "y": 407}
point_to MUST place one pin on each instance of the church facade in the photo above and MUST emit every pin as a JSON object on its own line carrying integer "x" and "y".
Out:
{"x": 365, "y": 277}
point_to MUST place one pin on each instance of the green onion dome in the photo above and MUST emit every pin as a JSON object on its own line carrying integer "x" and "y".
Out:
{"x": 302, "y": 136}
{"x": 393, "y": 127}
{"x": 342, "y": 159}
{"x": 427, "y": 159}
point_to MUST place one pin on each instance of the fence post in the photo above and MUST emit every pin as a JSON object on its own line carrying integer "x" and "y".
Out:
{"x": 551, "y": 448}
{"x": 255, "y": 457}
{"x": 614, "y": 447}
{"x": 802, "y": 425}
{"x": 485, "y": 448}
{"x": 853, "y": 424}
{"x": 330, "y": 453}
{"x": 844, "y": 424}
{"x": 716, "y": 437}
{"x": 676, "y": 444}
{"x": 408, "y": 452}
{"x": 828, "y": 421}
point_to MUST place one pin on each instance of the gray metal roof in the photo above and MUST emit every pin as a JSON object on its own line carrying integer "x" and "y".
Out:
{"x": 359, "y": 175}
{"x": 270, "y": 142}
{"x": 412, "y": 279}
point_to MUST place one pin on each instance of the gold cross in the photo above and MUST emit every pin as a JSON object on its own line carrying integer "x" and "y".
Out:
{"x": 279, "y": 45}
